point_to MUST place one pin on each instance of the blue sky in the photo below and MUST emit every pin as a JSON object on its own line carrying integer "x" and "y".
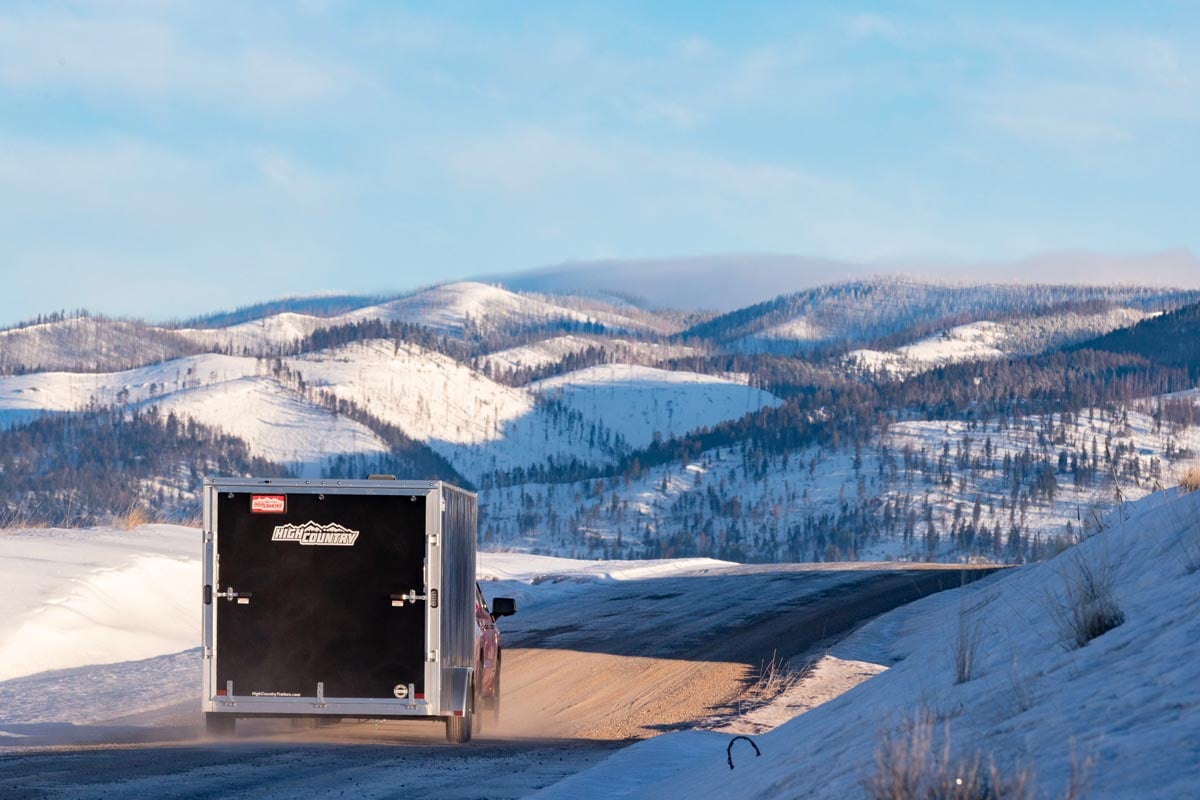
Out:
{"x": 164, "y": 159}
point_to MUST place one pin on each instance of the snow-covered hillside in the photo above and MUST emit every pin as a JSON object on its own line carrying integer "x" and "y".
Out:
{"x": 478, "y": 425}
{"x": 260, "y": 335}
{"x": 87, "y": 344}
{"x": 926, "y": 491}
{"x": 481, "y": 426}
{"x": 988, "y": 674}
{"x": 887, "y": 306}
{"x": 450, "y": 309}
{"x": 553, "y": 350}
{"x": 973, "y": 342}
{"x": 642, "y": 403}
{"x": 276, "y": 423}
{"x": 984, "y": 340}
{"x": 73, "y": 391}
{"x": 223, "y": 392}
{"x": 455, "y": 306}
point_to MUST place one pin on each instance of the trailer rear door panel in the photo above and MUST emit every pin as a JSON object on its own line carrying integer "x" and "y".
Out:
{"x": 305, "y": 593}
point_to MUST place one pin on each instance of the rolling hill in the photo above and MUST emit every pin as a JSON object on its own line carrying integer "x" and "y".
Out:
{"x": 886, "y": 417}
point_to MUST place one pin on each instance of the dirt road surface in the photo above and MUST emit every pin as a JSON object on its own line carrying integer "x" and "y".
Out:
{"x": 604, "y": 664}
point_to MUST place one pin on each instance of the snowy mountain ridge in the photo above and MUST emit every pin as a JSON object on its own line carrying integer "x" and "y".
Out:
{"x": 970, "y": 424}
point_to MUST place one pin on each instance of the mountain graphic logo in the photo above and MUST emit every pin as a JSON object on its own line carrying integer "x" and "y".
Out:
{"x": 311, "y": 533}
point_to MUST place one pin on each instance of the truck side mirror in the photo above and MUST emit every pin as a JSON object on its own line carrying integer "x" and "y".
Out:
{"x": 503, "y": 607}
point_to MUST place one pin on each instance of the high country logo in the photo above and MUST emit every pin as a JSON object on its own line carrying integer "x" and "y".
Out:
{"x": 268, "y": 503}
{"x": 312, "y": 533}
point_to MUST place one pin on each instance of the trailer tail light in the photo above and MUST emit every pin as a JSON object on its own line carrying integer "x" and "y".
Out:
{"x": 458, "y": 713}
{"x": 221, "y": 693}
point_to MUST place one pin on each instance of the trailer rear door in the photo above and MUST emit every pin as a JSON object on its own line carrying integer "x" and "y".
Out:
{"x": 306, "y": 593}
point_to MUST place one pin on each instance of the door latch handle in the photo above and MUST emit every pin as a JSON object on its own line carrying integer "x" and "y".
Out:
{"x": 241, "y": 598}
{"x": 400, "y": 600}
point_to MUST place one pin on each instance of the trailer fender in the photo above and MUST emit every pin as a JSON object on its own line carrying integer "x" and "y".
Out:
{"x": 457, "y": 681}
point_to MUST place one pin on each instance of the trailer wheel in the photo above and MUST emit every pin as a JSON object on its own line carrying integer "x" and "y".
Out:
{"x": 459, "y": 729}
{"x": 219, "y": 724}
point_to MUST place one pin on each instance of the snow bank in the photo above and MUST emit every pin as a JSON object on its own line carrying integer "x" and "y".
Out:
{"x": 72, "y": 598}
{"x": 535, "y": 569}
{"x": 1125, "y": 705}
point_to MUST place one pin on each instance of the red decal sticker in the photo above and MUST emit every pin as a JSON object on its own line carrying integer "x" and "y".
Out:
{"x": 268, "y": 503}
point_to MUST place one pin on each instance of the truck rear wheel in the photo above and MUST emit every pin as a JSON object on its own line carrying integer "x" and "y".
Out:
{"x": 219, "y": 724}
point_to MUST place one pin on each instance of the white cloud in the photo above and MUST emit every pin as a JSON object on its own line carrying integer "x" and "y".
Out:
{"x": 124, "y": 201}
{"x": 872, "y": 26}
{"x": 145, "y": 57}
{"x": 690, "y": 198}
{"x": 1075, "y": 91}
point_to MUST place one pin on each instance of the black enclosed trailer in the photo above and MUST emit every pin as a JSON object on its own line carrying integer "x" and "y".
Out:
{"x": 339, "y": 598}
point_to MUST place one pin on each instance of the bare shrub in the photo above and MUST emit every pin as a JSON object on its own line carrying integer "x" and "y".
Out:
{"x": 775, "y": 677}
{"x": 910, "y": 766}
{"x": 1081, "y": 767}
{"x": 965, "y": 650}
{"x": 1191, "y": 479}
{"x": 1019, "y": 686}
{"x": 1087, "y": 608}
{"x": 135, "y": 516}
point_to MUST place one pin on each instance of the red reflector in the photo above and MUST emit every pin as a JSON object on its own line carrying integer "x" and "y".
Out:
{"x": 418, "y": 696}
{"x": 458, "y": 713}
{"x": 220, "y": 692}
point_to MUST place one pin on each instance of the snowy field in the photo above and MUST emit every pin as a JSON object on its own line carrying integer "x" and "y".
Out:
{"x": 117, "y": 611}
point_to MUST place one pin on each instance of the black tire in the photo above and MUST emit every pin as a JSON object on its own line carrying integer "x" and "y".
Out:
{"x": 220, "y": 725}
{"x": 459, "y": 729}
